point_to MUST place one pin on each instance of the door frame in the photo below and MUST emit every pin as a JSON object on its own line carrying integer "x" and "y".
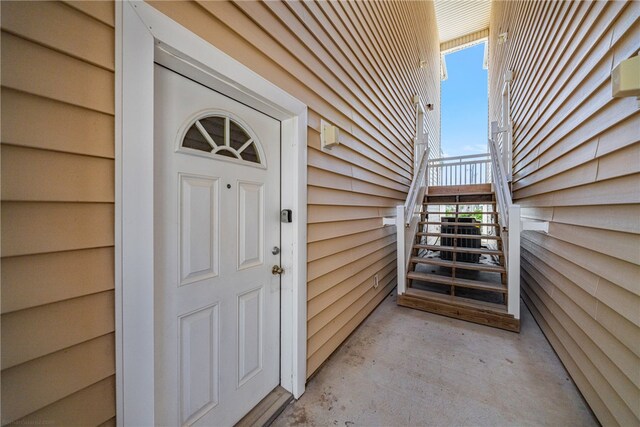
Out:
{"x": 145, "y": 35}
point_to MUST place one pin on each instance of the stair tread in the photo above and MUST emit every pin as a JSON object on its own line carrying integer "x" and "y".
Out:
{"x": 462, "y": 236}
{"x": 470, "y": 193}
{"x": 448, "y": 189}
{"x": 458, "y": 301}
{"x": 460, "y": 213}
{"x": 459, "y": 249}
{"x": 458, "y": 264}
{"x": 475, "y": 202}
{"x": 477, "y": 224}
{"x": 465, "y": 283}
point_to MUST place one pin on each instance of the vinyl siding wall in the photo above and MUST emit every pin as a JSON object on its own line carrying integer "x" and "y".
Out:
{"x": 57, "y": 148}
{"x": 576, "y": 164}
{"x": 355, "y": 64}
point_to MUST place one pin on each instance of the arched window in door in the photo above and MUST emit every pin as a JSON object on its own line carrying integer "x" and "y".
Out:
{"x": 220, "y": 135}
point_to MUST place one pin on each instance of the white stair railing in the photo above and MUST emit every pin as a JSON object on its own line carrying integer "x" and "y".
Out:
{"x": 509, "y": 215}
{"x": 511, "y": 227}
{"x": 460, "y": 170}
{"x": 407, "y": 219}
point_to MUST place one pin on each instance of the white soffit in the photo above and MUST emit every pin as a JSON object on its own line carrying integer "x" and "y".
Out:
{"x": 457, "y": 18}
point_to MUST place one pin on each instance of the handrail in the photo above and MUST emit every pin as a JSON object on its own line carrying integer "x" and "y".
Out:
{"x": 468, "y": 156}
{"x": 406, "y": 220}
{"x": 511, "y": 225}
{"x": 414, "y": 189}
{"x": 460, "y": 163}
{"x": 461, "y": 170}
{"x": 500, "y": 183}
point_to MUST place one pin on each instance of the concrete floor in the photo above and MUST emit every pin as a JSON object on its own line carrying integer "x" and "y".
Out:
{"x": 405, "y": 367}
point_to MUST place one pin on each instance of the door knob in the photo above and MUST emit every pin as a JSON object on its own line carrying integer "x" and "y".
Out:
{"x": 277, "y": 270}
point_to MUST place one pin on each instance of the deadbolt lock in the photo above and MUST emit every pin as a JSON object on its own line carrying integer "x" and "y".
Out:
{"x": 277, "y": 270}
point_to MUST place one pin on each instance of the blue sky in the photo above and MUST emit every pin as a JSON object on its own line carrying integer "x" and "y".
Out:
{"x": 464, "y": 103}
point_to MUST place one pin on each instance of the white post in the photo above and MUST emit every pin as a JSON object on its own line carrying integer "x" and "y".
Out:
{"x": 400, "y": 250}
{"x": 513, "y": 264}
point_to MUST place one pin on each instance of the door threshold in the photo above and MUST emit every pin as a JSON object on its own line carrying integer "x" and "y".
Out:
{"x": 265, "y": 412}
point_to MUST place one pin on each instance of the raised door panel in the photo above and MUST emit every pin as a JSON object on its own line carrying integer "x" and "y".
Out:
{"x": 199, "y": 236}
{"x": 199, "y": 352}
{"x": 250, "y": 224}
{"x": 249, "y": 335}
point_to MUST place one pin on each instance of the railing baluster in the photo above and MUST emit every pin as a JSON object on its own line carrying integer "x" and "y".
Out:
{"x": 462, "y": 170}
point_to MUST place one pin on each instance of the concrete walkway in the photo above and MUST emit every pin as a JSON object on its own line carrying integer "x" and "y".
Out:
{"x": 405, "y": 367}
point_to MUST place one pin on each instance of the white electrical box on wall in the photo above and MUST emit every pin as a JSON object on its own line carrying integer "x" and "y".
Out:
{"x": 508, "y": 76}
{"x": 625, "y": 78}
{"x": 329, "y": 135}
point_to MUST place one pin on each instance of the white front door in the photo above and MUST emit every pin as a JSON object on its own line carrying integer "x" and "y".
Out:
{"x": 217, "y": 234}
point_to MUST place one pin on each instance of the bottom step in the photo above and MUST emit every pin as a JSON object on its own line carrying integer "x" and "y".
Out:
{"x": 483, "y": 313}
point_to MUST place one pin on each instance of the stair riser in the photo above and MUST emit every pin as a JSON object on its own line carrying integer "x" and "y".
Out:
{"x": 457, "y": 213}
{"x": 461, "y": 236}
{"x": 461, "y": 202}
{"x": 459, "y": 250}
{"x": 470, "y": 315}
{"x": 440, "y": 280}
{"x": 458, "y": 265}
{"x": 460, "y": 224}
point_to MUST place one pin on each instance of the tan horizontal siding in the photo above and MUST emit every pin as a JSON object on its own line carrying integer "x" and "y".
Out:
{"x": 102, "y": 10}
{"x": 349, "y": 271}
{"x": 347, "y": 321}
{"x": 90, "y": 406}
{"x": 319, "y": 213}
{"x": 577, "y": 165}
{"x": 57, "y": 149}
{"x": 322, "y": 328}
{"x": 329, "y": 230}
{"x": 33, "y": 280}
{"x": 35, "y": 174}
{"x": 570, "y": 353}
{"x": 355, "y": 64}
{"x": 328, "y": 179}
{"x": 55, "y": 126}
{"x": 82, "y": 84}
{"x": 352, "y": 146}
{"x": 39, "y": 227}
{"x": 323, "y": 308}
{"x": 87, "y": 39}
{"x": 328, "y": 196}
{"x": 322, "y": 266}
{"x": 612, "y": 243}
{"x": 68, "y": 322}
{"x": 33, "y": 385}
{"x": 347, "y": 167}
{"x": 319, "y": 250}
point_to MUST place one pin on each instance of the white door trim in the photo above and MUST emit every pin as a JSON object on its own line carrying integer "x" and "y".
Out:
{"x": 144, "y": 35}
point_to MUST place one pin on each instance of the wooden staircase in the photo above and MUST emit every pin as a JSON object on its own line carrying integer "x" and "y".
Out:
{"x": 456, "y": 266}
